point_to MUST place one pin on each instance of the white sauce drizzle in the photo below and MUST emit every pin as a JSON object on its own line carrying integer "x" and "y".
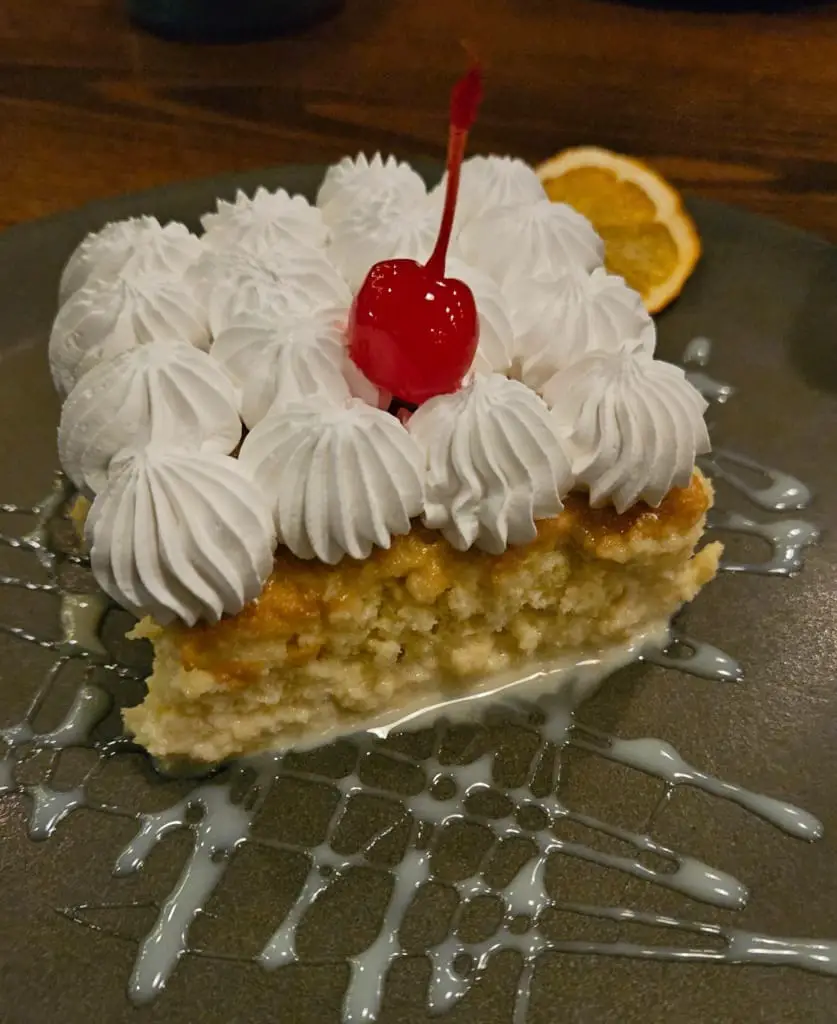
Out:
{"x": 780, "y": 492}
{"x": 697, "y": 353}
{"x": 223, "y": 823}
{"x": 788, "y": 539}
{"x": 696, "y": 657}
{"x": 656, "y": 757}
{"x": 81, "y": 619}
{"x": 222, "y": 827}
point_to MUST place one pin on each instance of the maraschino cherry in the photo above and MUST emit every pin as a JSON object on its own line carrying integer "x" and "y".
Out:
{"x": 412, "y": 331}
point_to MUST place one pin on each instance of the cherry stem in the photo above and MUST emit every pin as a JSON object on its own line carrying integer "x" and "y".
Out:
{"x": 456, "y": 150}
{"x": 464, "y": 102}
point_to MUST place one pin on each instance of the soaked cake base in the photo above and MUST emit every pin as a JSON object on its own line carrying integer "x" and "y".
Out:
{"x": 326, "y": 648}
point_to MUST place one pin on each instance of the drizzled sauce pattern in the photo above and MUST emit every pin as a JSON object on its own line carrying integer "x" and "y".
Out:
{"x": 220, "y": 812}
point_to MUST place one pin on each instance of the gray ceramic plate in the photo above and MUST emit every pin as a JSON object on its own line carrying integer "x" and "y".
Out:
{"x": 767, "y": 297}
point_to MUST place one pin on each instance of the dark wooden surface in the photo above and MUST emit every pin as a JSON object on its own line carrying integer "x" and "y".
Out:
{"x": 739, "y": 106}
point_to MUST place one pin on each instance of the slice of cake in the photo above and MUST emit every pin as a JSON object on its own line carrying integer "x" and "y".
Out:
{"x": 335, "y": 481}
{"x": 325, "y": 649}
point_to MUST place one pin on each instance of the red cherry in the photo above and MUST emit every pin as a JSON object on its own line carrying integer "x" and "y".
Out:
{"x": 413, "y": 331}
{"x": 413, "y": 334}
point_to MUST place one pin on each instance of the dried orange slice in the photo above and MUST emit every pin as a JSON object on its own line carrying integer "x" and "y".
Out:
{"x": 650, "y": 239}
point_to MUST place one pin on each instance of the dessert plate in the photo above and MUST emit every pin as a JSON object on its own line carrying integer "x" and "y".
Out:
{"x": 527, "y": 869}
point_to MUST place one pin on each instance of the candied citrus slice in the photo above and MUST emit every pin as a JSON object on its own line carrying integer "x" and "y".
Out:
{"x": 650, "y": 239}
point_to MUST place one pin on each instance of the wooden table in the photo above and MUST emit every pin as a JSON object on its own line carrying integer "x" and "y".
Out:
{"x": 736, "y": 106}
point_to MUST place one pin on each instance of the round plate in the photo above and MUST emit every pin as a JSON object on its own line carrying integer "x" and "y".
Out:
{"x": 767, "y": 297}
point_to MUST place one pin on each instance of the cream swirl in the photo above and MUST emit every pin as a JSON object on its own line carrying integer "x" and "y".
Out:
{"x": 237, "y": 283}
{"x": 276, "y": 219}
{"x": 340, "y": 481}
{"x": 104, "y": 319}
{"x": 156, "y": 392}
{"x": 139, "y": 243}
{"x": 382, "y": 228}
{"x": 530, "y": 240}
{"x": 495, "y": 352}
{"x": 634, "y": 425}
{"x": 495, "y": 464}
{"x": 281, "y": 360}
{"x": 353, "y": 182}
{"x": 560, "y": 320}
{"x": 180, "y": 534}
{"x": 487, "y": 182}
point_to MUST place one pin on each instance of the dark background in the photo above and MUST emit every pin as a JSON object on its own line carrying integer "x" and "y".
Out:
{"x": 738, "y": 105}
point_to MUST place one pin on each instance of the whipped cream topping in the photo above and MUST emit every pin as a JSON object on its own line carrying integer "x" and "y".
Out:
{"x": 180, "y": 534}
{"x": 236, "y": 283}
{"x": 560, "y": 320}
{"x": 109, "y": 317}
{"x": 496, "y": 349}
{"x": 495, "y": 463}
{"x": 530, "y": 240}
{"x": 383, "y": 227}
{"x": 140, "y": 243}
{"x": 353, "y": 182}
{"x": 275, "y": 219}
{"x": 284, "y": 359}
{"x": 160, "y": 391}
{"x": 487, "y": 182}
{"x": 340, "y": 481}
{"x": 634, "y": 425}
